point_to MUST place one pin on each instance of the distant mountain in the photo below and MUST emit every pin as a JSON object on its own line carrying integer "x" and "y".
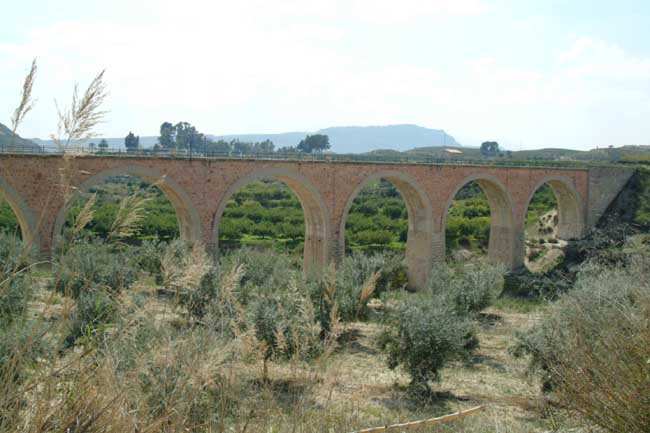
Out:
{"x": 360, "y": 139}
{"x": 344, "y": 139}
{"x": 7, "y": 141}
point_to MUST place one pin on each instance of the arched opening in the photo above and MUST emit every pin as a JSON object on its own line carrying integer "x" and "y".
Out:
{"x": 407, "y": 225}
{"x": 8, "y": 221}
{"x": 552, "y": 218}
{"x": 315, "y": 234}
{"x": 467, "y": 228}
{"x": 377, "y": 220}
{"x": 263, "y": 214}
{"x": 15, "y": 216}
{"x": 164, "y": 208}
{"x": 492, "y": 227}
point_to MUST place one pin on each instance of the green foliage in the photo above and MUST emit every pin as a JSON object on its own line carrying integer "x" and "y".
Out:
{"x": 148, "y": 255}
{"x": 642, "y": 214}
{"x": 96, "y": 310}
{"x": 468, "y": 290}
{"x": 593, "y": 350}
{"x": 265, "y": 272}
{"x": 13, "y": 255}
{"x": 423, "y": 335}
{"x": 15, "y": 293}
{"x": 431, "y": 328}
{"x": 286, "y": 323}
{"x": 490, "y": 148}
{"x": 15, "y": 283}
{"x": 92, "y": 264}
{"x": 314, "y": 143}
{"x": 468, "y": 219}
{"x": 21, "y": 343}
{"x": 8, "y": 220}
{"x": 131, "y": 142}
{"x": 542, "y": 202}
{"x": 160, "y": 221}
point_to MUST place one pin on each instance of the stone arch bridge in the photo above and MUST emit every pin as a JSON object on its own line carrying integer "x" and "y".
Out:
{"x": 40, "y": 188}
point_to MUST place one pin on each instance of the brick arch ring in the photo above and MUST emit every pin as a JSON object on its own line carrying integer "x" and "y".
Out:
{"x": 571, "y": 220}
{"x": 26, "y": 220}
{"x": 189, "y": 223}
{"x": 419, "y": 243}
{"x": 502, "y": 246}
{"x": 317, "y": 230}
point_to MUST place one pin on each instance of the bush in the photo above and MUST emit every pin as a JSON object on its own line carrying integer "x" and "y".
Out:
{"x": 423, "y": 335}
{"x": 286, "y": 323}
{"x": 263, "y": 271}
{"x": 470, "y": 288}
{"x": 593, "y": 348}
{"x": 21, "y": 343}
{"x": 94, "y": 312}
{"x": 13, "y": 256}
{"x": 91, "y": 264}
{"x": 15, "y": 294}
{"x": 148, "y": 255}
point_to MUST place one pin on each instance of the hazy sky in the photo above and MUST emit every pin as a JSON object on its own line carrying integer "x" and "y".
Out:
{"x": 562, "y": 73}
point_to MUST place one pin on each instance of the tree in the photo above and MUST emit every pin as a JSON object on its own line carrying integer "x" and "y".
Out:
{"x": 489, "y": 148}
{"x": 181, "y": 136}
{"x": 131, "y": 142}
{"x": 316, "y": 142}
{"x": 167, "y": 136}
{"x": 103, "y": 145}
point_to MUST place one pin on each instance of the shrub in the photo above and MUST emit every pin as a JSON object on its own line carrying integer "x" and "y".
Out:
{"x": 148, "y": 256}
{"x": 90, "y": 264}
{"x": 15, "y": 294}
{"x": 423, "y": 335}
{"x": 21, "y": 342}
{"x": 470, "y": 288}
{"x": 13, "y": 254}
{"x": 263, "y": 271}
{"x": 593, "y": 348}
{"x": 286, "y": 323}
{"x": 94, "y": 312}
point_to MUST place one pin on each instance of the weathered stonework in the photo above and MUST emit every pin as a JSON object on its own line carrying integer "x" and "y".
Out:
{"x": 40, "y": 187}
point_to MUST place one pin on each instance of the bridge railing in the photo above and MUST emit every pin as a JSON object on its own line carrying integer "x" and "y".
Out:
{"x": 401, "y": 158}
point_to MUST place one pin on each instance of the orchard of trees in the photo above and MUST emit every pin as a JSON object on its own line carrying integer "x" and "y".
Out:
{"x": 185, "y": 137}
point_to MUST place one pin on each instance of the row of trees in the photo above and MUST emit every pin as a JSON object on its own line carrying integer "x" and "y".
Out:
{"x": 184, "y": 136}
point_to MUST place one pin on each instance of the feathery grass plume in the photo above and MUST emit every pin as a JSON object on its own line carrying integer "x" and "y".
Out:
{"x": 128, "y": 217}
{"x": 85, "y": 216}
{"x": 131, "y": 213}
{"x": 26, "y": 101}
{"x": 329, "y": 279}
{"x": 78, "y": 121}
{"x": 185, "y": 273}
{"x": 367, "y": 290}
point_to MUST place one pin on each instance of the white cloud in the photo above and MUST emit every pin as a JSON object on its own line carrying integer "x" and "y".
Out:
{"x": 273, "y": 66}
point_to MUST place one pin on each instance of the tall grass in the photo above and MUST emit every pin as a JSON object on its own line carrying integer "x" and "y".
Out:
{"x": 593, "y": 349}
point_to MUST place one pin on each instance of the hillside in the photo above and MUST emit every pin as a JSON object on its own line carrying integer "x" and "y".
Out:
{"x": 344, "y": 139}
{"x": 7, "y": 141}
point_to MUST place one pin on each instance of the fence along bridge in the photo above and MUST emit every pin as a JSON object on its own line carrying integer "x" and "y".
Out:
{"x": 36, "y": 186}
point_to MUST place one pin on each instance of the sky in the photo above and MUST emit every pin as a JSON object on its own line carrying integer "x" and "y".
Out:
{"x": 529, "y": 74}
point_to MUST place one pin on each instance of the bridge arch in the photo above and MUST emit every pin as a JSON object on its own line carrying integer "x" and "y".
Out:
{"x": 419, "y": 242}
{"x": 571, "y": 220}
{"x": 26, "y": 220}
{"x": 317, "y": 231}
{"x": 504, "y": 240}
{"x": 189, "y": 223}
